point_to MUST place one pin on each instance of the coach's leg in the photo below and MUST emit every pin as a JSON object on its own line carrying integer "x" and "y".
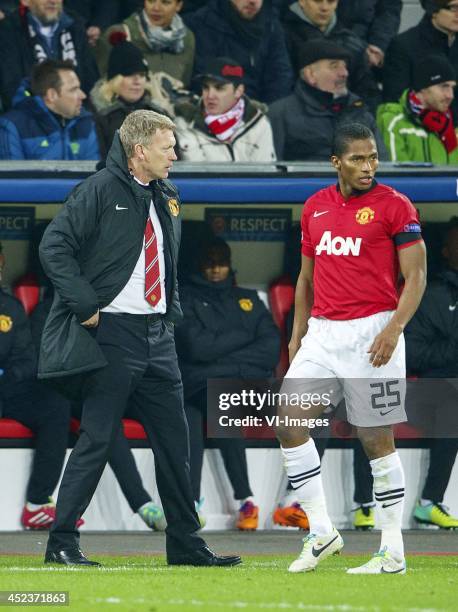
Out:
{"x": 389, "y": 485}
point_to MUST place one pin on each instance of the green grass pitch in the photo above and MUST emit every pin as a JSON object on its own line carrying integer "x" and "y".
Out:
{"x": 260, "y": 583}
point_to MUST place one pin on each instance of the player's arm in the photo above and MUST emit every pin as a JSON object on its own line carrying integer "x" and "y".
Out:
{"x": 412, "y": 262}
{"x": 303, "y": 302}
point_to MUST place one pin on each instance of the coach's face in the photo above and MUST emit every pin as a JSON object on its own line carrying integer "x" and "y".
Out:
{"x": 357, "y": 165}
{"x": 157, "y": 158}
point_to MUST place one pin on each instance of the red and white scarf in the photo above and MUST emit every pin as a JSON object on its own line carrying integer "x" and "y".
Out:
{"x": 225, "y": 125}
{"x": 435, "y": 121}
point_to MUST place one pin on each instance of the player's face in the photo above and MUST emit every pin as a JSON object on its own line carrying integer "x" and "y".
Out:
{"x": 357, "y": 166}
{"x": 158, "y": 157}
{"x": 438, "y": 97}
{"x": 215, "y": 272}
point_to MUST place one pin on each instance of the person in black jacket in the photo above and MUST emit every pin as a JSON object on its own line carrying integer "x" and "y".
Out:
{"x": 227, "y": 332}
{"x": 304, "y": 122}
{"x": 432, "y": 353}
{"x": 249, "y": 34}
{"x": 111, "y": 254}
{"x": 375, "y": 21}
{"x": 24, "y": 41}
{"x": 307, "y": 21}
{"x": 434, "y": 35}
{"x": 22, "y": 398}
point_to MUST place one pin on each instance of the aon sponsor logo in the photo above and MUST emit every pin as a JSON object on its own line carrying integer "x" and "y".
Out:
{"x": 338, "y": 245}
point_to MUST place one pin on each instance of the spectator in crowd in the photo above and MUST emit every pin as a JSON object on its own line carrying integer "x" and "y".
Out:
{"x": 432, "y": 353}
{"x": 52, "y": 124}
{"x": 314, "y": 20}
{"x": 419, "y": 128}
{"x": 225, "y": 125}
{"x": 97, "y": 15}
{"x": 7, "y": 7}
{"x": 434, "y": 35}
{"x": 36, "y": 31}
{"x": 128, "y": 86}
{"x": 227, "y": 332}
{"x": 375, "y": 21}
{"x": 22, "y": 398}
{"x": 304, "y": 122}
{"x": 161, "y": 35}
{"x": 246, "y": 31}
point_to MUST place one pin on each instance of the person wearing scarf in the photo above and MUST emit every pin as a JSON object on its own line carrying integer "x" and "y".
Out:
{"x": 420, "y": 127}
{"x": 162, "y": 37}
{"x": 226, "y": 125}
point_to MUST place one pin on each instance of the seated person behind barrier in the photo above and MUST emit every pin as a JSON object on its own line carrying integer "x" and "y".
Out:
{"x": 121, "y": 460}
{"x": 128, "y": 86}
{"x": 419, "y": 127}
{"x": 52, "y": 123}
{"x": 24, "y": 399}
{"x": 432, "y": 353}
{"x": 227, "y": 332}
{"x": 225, "y": 125}
{"x": 304, "y": 122}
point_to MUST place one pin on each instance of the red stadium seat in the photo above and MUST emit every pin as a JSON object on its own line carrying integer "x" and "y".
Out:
{"x": 27, "y": 290}
{"x": 281, "y": 298}
{"x": 9, "y": 428}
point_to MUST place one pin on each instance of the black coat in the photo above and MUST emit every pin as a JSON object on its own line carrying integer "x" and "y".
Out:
{"x": 227, "y": 332}
{"x": 407, "y": 49}
{"x": 268, "y": 74}
{"x": 304, "y": 123}
{"x": 375, "y": 21}
{"x": 89, "y": 251}
{"x": 361, "y": 81}
{"x": 17, "y": 58}
{"x": 432, "y": 335}
{"x": 17, "y": 354}
{"x": 109, "y": 119}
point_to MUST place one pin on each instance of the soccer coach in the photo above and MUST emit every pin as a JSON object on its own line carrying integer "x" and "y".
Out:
{"x": 111, "y": 254}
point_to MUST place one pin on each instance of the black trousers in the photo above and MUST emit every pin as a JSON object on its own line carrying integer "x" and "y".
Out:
{"x": 232, "y": 450}
{"x": 47, "y": 414}
{"x": 142, "y": 365}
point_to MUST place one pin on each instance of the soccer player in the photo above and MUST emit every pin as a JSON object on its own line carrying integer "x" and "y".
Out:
{"x": 348, "y": 337}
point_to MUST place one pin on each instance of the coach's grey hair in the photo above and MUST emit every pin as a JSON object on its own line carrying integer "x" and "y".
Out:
{"x": 139, "y": 127}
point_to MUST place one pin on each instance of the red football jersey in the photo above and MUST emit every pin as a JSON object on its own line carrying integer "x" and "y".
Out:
{"x": 354, "y": 244}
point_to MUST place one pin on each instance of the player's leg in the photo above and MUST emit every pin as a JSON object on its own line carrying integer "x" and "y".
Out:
{"x": 302, "y": 462}
{"x": 389, "y": 487}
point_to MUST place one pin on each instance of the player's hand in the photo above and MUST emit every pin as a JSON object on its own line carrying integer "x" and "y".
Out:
{"x": 293, "y": 346}
{"x": 92, "y": 321}
{"x": 384, "y": 344}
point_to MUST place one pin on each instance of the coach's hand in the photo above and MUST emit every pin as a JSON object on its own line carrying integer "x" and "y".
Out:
{"x": 92, "y": 321}
{"x": 384, "y": 344}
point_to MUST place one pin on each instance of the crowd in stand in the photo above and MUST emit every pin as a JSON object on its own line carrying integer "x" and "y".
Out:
{"x": 245, "y": 80}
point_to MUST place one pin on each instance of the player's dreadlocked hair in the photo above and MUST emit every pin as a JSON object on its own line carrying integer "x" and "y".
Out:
{"x": 348, "y": 132}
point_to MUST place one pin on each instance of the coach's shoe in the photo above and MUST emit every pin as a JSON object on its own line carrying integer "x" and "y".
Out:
{"x": 316, "y": 548}
{"x": 153, "y": 516}
{"x": 70, "y": 556}
{"x": 203, "y": 557}
{"x": 364, "y": 518}
{"x": 290, "y": 516}
{"x": 435, "y": 514}
{"x": 381, "y": 563}
{"x": 248, "y": 517}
